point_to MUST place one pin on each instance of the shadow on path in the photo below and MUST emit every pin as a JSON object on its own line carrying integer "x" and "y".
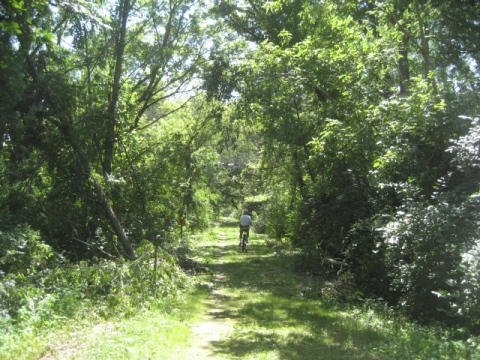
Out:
{"x": 273, "y": 320}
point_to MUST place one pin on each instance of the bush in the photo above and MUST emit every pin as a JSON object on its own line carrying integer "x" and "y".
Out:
{"x": 275, "y": 219}
{"x": 37, "y": 289}
{"x": 426, "y": 248}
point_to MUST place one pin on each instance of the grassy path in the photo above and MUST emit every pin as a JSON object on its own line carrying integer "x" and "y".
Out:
{"x": 259, "y": 309}
{"x": 253, "y": 306}
{"x": 216, "y": 325}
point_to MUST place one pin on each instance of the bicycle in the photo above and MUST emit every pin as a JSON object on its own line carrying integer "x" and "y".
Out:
{"x": 244, "y": 242}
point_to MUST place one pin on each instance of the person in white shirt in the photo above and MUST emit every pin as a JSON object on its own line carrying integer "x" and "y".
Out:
{"x": 245, "y": 223}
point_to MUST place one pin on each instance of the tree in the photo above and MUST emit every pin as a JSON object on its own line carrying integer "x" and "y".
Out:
{"x": 356, "y": 104}
{"x": 91, "y": 78}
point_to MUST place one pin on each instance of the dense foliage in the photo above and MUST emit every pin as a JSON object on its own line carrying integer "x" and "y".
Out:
{"x": 352, "y": 125}
{"x": 103, "y": 146}
{"x": 367, "y": 113}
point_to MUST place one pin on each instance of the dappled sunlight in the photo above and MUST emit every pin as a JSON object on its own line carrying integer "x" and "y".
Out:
{"x": 272, "y": 312}
{"x": 285, "y": 345}
{"x": 273, "y": 320}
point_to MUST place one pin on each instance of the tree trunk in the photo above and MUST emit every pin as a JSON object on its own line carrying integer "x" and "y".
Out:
{"x": 117, "y": 227}
{"x": 101, "y": 196}
{"x": 425, "y": 48}
{"x": 66, "y": 131}
{"x": 394, "y": 18}
{"x": 3, "y": 130}
{"x": 109, "y": 143}
{"x": 403, "y": 67}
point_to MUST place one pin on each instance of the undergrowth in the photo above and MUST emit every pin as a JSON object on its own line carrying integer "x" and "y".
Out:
{"x": 41, "y": 292}
{"x": 118, "y": 309}
{"x": 383, "y": 331}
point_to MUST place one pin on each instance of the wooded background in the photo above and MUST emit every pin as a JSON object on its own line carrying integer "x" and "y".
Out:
{"x": 349, "y": 128}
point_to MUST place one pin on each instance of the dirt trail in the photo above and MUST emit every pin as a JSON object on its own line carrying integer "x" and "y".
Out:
{"x": 216, "y": 325}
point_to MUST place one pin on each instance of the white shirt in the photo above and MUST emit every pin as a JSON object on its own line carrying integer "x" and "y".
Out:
{"x": 245, "y": 220}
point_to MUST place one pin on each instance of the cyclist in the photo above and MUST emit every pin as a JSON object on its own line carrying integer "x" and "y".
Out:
{"x": 245, "y": 223}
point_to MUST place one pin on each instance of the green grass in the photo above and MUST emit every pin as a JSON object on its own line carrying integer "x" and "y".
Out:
{"x": 151, "y": 335}
{"x": 278, "y": 317}
{"x": 155, "y": 328}
{"x": 277, "y": 314}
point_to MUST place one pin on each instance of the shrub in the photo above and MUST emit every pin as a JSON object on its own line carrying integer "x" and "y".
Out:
{"x": 37, "y": 288}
